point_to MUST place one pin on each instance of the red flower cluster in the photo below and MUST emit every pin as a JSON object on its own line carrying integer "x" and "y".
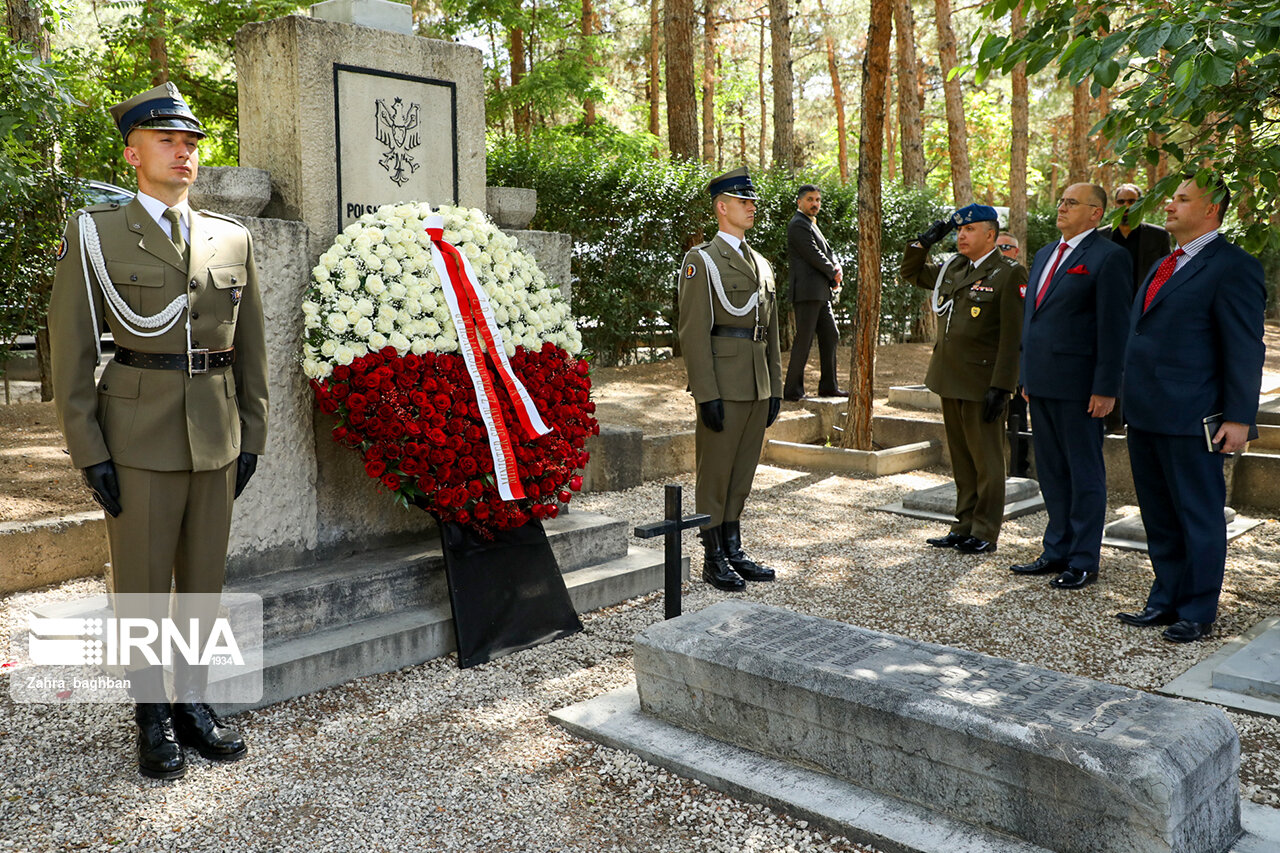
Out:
{"x": 416, "y": 422}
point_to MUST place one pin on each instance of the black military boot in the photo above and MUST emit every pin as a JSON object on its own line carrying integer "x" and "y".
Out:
{"x": 200, "y": 728}
{"x": 715, "y": 566}
{"x": 742, "y": 564}
{"x": 159, "y": 755}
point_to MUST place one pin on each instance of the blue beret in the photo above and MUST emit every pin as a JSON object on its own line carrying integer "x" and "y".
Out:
{"x": 975, "y": 213}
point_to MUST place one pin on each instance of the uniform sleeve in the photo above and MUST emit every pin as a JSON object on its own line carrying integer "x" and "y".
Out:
{"x": 250, "y": 366}
{"x": 695, "y": 329}
{"x": 1238, "y": 311}
{"x": 774, "y": 353}
{"x": 73, "y": 333}
{"x": 1005, "y": 373}
{"x": 1113, "y": 297}
{"x": 915, "y": 268}
{"x": 804, "y": 244}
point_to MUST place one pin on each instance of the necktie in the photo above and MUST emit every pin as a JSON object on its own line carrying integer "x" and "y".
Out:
{"x": 175, "y": 230}
{"x": 1062, "y": 250}
{"x": 1163, "y": 273}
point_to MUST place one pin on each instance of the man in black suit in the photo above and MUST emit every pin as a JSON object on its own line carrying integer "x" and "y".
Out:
{"x": 1192, "y": 372}
{"x": 1019, "y": 445}
{"x": 1074, "y": 327}
{"x": 814, "y": 275}
{"x": 1145, "y": 243}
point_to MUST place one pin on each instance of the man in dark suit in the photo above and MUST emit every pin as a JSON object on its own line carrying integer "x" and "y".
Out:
{"x": 1145, "y": 243}
{"x": 814, "y": 275}
{"x": 1074, "y": 327}
{"x": 977, "y": 296}
{"x": 1192, "y": 372}
{"x": 1019, "y": 444}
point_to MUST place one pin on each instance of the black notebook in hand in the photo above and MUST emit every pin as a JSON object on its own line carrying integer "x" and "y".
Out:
{"x": 1212, "y": 424}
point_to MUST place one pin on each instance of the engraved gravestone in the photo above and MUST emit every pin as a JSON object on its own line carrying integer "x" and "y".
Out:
{"x": 1064, "y": 762}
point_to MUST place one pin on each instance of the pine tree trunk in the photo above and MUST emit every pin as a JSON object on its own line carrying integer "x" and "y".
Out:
{"x": 784, "y": 129}
{"x": 910, "y": 125}
{"x": 682, "y": 101}
{"x": 764, "y": 113}
{"x": 655, "y": 60}
{"x": 842, "y": 132}
{"x": 153, "y": 13}
{"x": 709, "y": 83}
{"x": 1078, "y": 157}
{"x": 588, "y": 30}
{"x": 957, "y": 133}
{"x": 519, "y": 112}
{"x": 1020, "y": 118}
{"x": 875, "y": 70}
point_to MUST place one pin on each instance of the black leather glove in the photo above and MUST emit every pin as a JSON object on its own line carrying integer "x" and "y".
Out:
{"x": 712, "y": 414}
{"x": 101, "y": 480}
{"x": 993, "y": 403}
{"x": 936, "y": 232}
{"x": 245, "y": 466}
{"x": 775, "y": 404}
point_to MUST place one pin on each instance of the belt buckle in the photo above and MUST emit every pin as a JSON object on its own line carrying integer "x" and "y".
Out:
{"x": 757, "y": 333}
{"x": 198, "y": 357}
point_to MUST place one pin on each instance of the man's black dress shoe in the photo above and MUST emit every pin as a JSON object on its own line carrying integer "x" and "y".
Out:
{"x": 795, "y": 398}
{"x": 1148, "y": 617}
{"x": 1186, "y": 631}
{"x": 1042, "y": 565}
{"x": 974, "y": 545}
{"x": 839, "y": 392}
{"x": 198, "y": 727}
{"x": 1074, "y": 579}
{"x": 159, "y": 755}
{"x": 951, "y": 540}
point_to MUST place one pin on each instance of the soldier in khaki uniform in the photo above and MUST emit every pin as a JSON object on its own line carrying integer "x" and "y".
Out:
{"x": 729, "y": 335}
{"x": 171, "y": 434}
{"x": 977, "y": 296}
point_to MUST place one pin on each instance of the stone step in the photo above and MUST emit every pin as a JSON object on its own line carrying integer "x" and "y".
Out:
{"x": 303, "y": 664}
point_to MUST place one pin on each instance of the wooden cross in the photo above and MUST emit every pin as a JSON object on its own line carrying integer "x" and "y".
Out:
{"x": 671, "y": 527}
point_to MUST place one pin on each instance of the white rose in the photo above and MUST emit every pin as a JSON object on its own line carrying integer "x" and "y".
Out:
{"x": 382, "y": 250}
{"x": 501, "y": 271}
{"x": 328, "y": 348}
{"x": 374, "y": 235}
{"x": 362, "y": 243}
{"x": 337, "y": 323}
{"x": 444, "y": 344}
{"x": 311, "y": 322}
{"x": 353, "y": 315}
{"x": 430, "y": 327}
{"x": 399, "y": 341}
{"x": 419, "y": 346}
{"x": 344, "y": 354}
{"x": 372, "y": 262}
{"x": 409, "y": 236}
{"x": 311, "y": 368}
{"x": 383, "y": 325}
{"x": 470, "y": 250}
{"x": 374, "y": 284}
{"x": 363, "y": 327}
{"x": 392, "y": 267}
{"x": 344, "y": 303}
{"x": 320, "y": 273}
{"x": 400, "y": 252}
{"x": 377, "y": 341}
{"x": 451, "y": 236}
{"x": 500, "y": 314}
{"x": 398, "y": 290}
{"x": 359, "y": 348}
{"x": 412, "y": 307}
{"x": 310, "y": 308}
{"x": 328, "y": 288}
{"x": 365, "y": 307}
{"x": 349, "y": 268}
{"x": 509, "y": 347}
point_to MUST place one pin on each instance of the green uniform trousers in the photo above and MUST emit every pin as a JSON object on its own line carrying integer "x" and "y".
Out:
{"x": 726, "y": 460}
{"x": 977, "y": 462}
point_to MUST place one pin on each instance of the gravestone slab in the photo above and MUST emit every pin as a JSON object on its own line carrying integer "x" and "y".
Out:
{"x": 1063, "y": 762}
{"x": 1129, "y": 534}
{"x": 1243, "y": 674}
{"x": 938, "y": 503}
{"x": 378, "y": 14}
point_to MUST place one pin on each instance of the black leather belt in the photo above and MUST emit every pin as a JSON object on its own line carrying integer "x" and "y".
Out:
{"x": 195, "y": 361}
{"x": 756, "y": 333}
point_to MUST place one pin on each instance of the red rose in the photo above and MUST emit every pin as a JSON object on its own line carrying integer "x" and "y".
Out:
{"x": 391, "y": 482}
{"x": 481, "y": 511}
{"x": 575, "y": 482}
{"x": 328, "y": 405}
{"x": 564, "y": 496}
{"x": 375, "y": 468}
{"x": 342, "y": 373}
{"x": 582, "y": 367}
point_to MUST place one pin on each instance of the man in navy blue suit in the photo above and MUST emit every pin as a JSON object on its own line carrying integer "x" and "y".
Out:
{"x": 1073, "y": 334}
{"x": 1192, "y": 372}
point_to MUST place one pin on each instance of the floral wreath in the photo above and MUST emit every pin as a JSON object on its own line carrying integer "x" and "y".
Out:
{"x": 450, "y": 364}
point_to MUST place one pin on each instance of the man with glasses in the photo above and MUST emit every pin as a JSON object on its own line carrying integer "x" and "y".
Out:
{"x": 1073, "y": 336}
{"x": 1145, "y": 243}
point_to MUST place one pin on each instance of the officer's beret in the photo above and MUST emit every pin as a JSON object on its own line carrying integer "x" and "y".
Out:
{"x": 161, "y": 107}
{"x": 975, "y": 213}
{"x": 736, "y": 183}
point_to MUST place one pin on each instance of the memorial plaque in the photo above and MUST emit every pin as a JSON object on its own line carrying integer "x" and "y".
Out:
{"x": 1065, "y": 762}
{"x": 396, "y": 138}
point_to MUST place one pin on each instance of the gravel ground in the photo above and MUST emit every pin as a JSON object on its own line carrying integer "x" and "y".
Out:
{"x": 435, "y": 758}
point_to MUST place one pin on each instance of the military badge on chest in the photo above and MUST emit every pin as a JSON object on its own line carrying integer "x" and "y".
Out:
{"x": 236, "y": 293}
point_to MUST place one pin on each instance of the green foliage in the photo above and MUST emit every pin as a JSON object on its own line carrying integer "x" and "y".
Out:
{"x": 1197, "y": 81}
{"x": 632, "y": 217}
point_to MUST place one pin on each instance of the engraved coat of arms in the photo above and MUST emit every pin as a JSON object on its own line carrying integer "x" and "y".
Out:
{"x": 396, "y": 127}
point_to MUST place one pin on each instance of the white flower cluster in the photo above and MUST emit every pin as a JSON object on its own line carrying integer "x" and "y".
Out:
{"x": 376, "y": 287}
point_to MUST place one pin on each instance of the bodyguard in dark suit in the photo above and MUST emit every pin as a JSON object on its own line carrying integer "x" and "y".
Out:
{"x": 729, "y": 335}
{"x": 1074, "y": 327}
{"x": 1195, "y": 351}
{"x": 1145, "y": 243}
{"x": 977, "y": 296}
{"x": 814, "y": 275}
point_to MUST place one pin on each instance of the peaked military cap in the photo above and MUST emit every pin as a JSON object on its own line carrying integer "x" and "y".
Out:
{"x": 975, "y": 213}
{"x": 736, "y": 183}
{"x": 161, "y": 107}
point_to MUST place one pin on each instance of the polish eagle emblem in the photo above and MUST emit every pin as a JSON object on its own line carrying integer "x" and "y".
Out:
{"x": 396, "y": 127}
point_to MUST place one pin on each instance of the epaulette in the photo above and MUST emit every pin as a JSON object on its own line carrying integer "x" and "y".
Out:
{"x": 223, "y": 216}
{"x": 1009, "y": 262}
{"x": 98, "y": 208}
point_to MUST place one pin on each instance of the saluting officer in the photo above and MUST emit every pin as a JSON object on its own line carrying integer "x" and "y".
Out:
{"x": 977, "y": 296}
{"x": 729, "y": 335}
{"x": 171, "y": 434}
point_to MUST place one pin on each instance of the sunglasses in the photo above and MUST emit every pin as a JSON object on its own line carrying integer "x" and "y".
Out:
{"x": 1004, "y": 247}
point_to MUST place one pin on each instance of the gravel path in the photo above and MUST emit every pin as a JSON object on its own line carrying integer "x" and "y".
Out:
{"x": 435, "y": 758}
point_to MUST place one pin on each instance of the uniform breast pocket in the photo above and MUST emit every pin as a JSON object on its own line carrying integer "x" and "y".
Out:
{"x": 140, "y": 284}
{"x": 228, "y": 283}
{"x": 982, "y": 297}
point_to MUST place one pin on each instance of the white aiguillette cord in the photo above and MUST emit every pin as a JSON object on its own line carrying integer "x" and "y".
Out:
{"x": 134, "y": 323}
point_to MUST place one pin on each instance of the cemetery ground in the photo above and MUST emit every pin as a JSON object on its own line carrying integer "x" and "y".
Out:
{"x": 431, "y": 757}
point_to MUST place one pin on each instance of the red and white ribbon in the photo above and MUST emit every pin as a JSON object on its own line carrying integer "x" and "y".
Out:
{"x": 477, "y": 332}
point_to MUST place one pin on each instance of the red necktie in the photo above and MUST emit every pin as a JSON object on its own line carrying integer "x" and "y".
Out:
{"x": 1163, "y": 273}
{"x": 1062, "y": 249}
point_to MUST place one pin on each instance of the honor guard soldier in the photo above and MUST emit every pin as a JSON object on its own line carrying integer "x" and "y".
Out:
{"x": 729, "y": 335}
{"x": 977, "y": 296}
{"x": 171, "y": 434}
